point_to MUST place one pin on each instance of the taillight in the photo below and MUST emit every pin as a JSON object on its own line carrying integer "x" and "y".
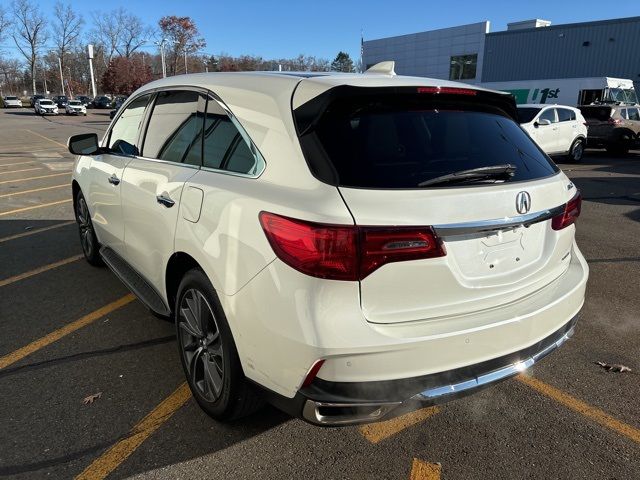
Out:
{"x": 570, "y": 214}
{"x": 345, "y": 252}
{"x": 614, "y": 121}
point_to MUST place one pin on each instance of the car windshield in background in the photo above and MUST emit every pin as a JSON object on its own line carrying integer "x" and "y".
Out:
{"x": 526, "y": 114}
{"x": 11, "y": 98}
{"x": 393, "y": 141}
{"x": 75, "y": 103}
{"x": 623, "y": 95}
{"x": 46, "y": 102}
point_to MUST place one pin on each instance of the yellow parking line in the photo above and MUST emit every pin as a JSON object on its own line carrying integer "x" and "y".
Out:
{"x": 13, "y": 164}
{"x": 34, "y": 190}
{"x": 19, "y": 171}
{"x": 36, "y": 271}
{"x": 33, "y": 232}
{"x": 376, "y": 432}
{"x": 42, "y": 205}
{"x": 425, "y": 471}
{"x": 581, "y": 407}
{"x": 47, "y": 138}
{"x": 36, "y": 178}
{"x": 118, "y": 453}
{"x": 64, "y": 331}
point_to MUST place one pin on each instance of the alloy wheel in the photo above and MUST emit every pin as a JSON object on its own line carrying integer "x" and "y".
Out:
{"x": 201, "y": 345}
{"x": 86, "y": 229}
{"x": 578, "y": 151}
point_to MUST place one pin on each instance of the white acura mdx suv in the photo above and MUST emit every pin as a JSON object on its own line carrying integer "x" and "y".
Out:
{"x": 345, "y": 246}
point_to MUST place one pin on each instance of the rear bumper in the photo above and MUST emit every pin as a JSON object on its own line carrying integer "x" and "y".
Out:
{"x": 334, "y": 404}
{"x": 373, "y": 370}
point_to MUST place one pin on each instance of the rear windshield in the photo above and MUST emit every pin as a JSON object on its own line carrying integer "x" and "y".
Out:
{"x": 401, "y": 141}
{"x": 526, "y": 114}
{"x": 596, "y": 113}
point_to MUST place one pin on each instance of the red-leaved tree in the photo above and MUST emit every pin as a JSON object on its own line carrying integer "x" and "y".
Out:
{"x": 124, "y": 75}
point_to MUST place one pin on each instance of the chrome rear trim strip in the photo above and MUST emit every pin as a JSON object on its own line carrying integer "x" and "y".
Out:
{"x": 339, "y": 414}
{"x": 466, "y": 228}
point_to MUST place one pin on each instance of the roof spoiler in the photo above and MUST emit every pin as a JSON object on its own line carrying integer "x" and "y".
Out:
{"x": 387, "y": 68}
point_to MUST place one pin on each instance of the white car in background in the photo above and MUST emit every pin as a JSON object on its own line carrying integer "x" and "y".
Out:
{"x": 557, "y": 129}
{"x": 75, "y": 107}
{"x": 12, "y": 102}
{"x": 345, "y": 246}
{"x": 45, "y": 106}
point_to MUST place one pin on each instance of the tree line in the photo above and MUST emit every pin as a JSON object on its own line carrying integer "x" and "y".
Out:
{"x": 127, "y": 52}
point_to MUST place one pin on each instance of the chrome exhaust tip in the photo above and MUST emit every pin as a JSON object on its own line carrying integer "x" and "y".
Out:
{"x": 340, "y": 414}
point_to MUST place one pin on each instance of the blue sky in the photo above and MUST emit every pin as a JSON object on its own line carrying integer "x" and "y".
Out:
{"x": 286, "y": 28}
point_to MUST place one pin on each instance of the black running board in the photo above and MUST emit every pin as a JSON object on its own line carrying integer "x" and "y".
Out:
{"x": 135, "y": 282}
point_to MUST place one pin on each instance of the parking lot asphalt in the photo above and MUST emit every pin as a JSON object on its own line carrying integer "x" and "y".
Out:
{"x": 70, "y": 331}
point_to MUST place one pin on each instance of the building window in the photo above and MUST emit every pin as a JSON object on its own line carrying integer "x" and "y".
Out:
{"x": 463, "y": 67}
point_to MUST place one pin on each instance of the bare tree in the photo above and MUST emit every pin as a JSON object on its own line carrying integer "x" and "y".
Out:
{"x": 29, "y": 34}
{"x": 132, "y": 37}
{"x": 4, "y": 23}
{"x": 119, "y": 32}
{"x": 107, "y": 33}
{"x": 66, "y": 30}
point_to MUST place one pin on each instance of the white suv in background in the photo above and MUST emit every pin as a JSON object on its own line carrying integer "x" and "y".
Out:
{"x": 557, "y": 129}
{"x": 12, "y": 102}
{"x": 45, "y": 106}
{"x": 345, "y": 246}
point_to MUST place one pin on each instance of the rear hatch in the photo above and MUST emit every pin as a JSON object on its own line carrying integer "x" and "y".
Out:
{"x": 391, "y": 153}
{"x": 598, "y": 119}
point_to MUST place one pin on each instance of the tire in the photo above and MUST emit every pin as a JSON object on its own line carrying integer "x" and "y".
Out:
{"x": 617, "y": 149}
{"x": 88, "y": 239}
{"x": 576, "y": 151}
{"x": 208, "y": 353}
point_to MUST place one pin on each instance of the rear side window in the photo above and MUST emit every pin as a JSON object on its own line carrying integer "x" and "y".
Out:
{"x": 174, "y": 133}
{"x": 633, "y": 114}
{"x": 124, "y": 134}
{"x": 401, "y": 141}
{"x": 549, "y": 114}
{"x": 224, "y": 146}
{"x": 526, "y": 114}
{"x": 565, "y": 115}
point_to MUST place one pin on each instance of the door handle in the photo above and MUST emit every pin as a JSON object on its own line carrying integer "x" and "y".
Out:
{"x": 165, "y": 200}
{"x": 113, "y": 180}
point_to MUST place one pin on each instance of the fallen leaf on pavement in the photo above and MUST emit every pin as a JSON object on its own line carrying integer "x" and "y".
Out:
{"x": 91, "y": 398}
{"x": 615, "y": 367}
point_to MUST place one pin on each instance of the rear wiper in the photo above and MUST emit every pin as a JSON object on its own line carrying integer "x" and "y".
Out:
{"x": 497, "y": 172}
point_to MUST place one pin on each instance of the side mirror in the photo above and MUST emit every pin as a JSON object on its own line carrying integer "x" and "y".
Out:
{"x": 543, "y": 121}
{"x": 84, "y": 144}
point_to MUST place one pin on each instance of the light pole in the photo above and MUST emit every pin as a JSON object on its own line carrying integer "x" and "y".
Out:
{"x": 61, "y": 77}
{"x": 164, "y": 64}
{"x": 93, "y": 80}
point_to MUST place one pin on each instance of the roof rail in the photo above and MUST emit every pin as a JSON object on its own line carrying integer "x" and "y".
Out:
{"x": 383, "y": 67}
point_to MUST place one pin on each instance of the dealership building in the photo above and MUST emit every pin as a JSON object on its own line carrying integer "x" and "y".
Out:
{"x": 527, "y": 50}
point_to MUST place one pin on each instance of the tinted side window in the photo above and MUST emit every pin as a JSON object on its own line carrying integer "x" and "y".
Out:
{"x": 174, "y": 133}
{"x": 633, "y": 114}
{"x": 124, "y": 134}
{"x": 565, "y": 115}
{"x": 224, "y": 146}
{"x": 549, "y": 115}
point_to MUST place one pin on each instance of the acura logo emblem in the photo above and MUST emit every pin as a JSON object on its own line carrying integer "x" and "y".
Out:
{"x": 523, "y": 202}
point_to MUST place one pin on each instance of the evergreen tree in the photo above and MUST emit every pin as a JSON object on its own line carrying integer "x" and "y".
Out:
{"x": 342, "y": 63}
